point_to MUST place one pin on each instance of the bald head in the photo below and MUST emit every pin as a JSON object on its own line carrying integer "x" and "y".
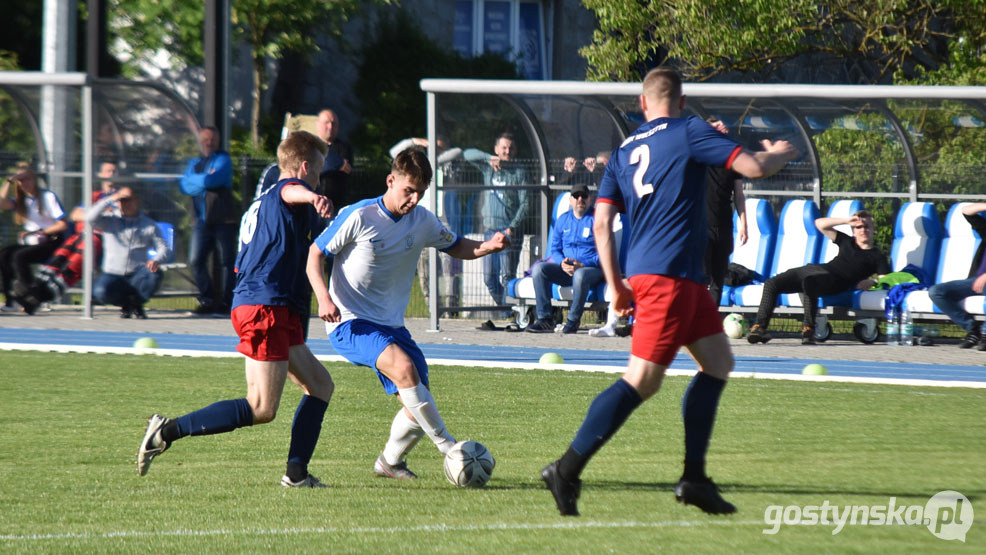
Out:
{"x": 327, "y": 125}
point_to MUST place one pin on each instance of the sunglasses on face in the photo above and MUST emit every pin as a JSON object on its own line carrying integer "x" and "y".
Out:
{"x": 578, "y": 196}
{"x": 860, "y": 226}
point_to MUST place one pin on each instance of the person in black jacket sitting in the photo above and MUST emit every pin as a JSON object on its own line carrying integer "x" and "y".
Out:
{"x": 858, "y": 260}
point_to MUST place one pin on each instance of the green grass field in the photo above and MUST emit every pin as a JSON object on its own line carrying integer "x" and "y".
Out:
{"x": 70, "y": 425}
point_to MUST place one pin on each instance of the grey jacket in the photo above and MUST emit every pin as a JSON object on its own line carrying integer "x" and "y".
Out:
{"x": 126, "y": 240}
{"x": 505, "y": 205}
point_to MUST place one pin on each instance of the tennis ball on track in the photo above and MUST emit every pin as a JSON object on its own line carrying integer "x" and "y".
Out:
{"x": 145, "y": 343}
{"x": 551, "y": 358}
{"x": 814, "y": 370}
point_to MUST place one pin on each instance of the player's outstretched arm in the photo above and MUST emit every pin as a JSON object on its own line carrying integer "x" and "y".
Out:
{"x": 767, "y": 162}
{"x": 469, "y": 249}
{"x": 327, "y": 310}
{"x": 297, "y": 194}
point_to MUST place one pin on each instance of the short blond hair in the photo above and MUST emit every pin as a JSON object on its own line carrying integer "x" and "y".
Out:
{"x": 300, "y": 146}
{"x": 662, "y": 84}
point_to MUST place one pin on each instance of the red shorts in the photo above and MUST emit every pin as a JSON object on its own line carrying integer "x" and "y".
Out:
{"x": 267, "y": 333}
{"x": 669, "y": 312}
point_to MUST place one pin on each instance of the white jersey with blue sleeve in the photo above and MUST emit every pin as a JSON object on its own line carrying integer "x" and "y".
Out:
{"x": 375, "y": 256}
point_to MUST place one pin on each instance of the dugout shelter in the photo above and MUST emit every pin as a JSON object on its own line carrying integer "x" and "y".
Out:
{"x": 877, "y": 144}
{"x": 66, "y": 124}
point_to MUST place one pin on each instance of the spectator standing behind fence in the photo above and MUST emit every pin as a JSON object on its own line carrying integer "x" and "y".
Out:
{"x": 334, "y": 178}
{"x": 723, "y": 191}
{"x": 129, "y": 275}
{"x": 858, "y": 260}
{"x": 505, "y": 206}
{"x": 43, "y": 228}
{"x": 209, "y": 181}
{"x": 950, "y": 295}
{"x": 573, "y": 262}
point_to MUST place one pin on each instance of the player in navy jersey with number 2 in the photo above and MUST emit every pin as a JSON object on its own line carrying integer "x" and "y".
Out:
{"x": 657, "y": 177}
{"x": 271, "y": 292}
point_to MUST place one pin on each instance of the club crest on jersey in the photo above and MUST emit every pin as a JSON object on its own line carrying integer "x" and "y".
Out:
{"x": 408, "y": 242}
{"x": 446, "y": 235}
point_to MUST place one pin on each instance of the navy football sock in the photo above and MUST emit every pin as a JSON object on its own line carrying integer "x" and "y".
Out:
{"x": 305, "y": 430}
{"x": 608, "y": 411}
{"x": 698, "y": 409}
{"x": 217, "y": 418}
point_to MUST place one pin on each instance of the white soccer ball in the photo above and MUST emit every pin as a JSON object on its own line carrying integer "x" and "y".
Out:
{"x": 734, "y": 325}
{"x": 469, "y": 464}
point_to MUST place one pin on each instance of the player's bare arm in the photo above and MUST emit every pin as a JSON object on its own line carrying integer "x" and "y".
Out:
{"x": 602, "y": 228}
{"x": 298, "y": 194}
{"x": 469, "y": 249}
{"x": 774, "y": 156}
{"x": 327, "y": 310}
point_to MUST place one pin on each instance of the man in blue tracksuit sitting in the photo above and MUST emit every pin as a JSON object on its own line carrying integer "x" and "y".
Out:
{"x": 574, "y": 262}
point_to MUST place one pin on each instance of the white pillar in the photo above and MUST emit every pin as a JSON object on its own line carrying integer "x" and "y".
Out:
{"x": 58, "y": 55}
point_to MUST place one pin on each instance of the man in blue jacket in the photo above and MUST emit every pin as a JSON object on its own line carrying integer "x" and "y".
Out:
{"x": 574, "y": 262}
{"x": 209, "y": 181}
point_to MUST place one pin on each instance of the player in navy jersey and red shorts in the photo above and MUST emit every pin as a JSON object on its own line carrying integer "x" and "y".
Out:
{"x": 657, "y": 177}
{"x": 271, "y": 292}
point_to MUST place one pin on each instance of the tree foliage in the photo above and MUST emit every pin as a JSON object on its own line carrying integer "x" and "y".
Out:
{"x": 873, "y": 40}
{"x": 388, "y": 87}
{"x": 272, "y": 29}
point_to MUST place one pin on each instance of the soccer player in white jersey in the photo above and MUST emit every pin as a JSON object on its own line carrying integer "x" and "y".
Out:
{"x": 375, "y": 245}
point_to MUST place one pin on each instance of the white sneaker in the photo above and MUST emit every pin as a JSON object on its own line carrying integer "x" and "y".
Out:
{"x": 398, "y": 471}
{"x": 152, "y": 445}
{"x": 308, "y": 482}
{"x": 605, "y": 331}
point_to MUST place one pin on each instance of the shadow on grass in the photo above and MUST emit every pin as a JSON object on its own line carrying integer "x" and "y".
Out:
{"x": 780, "y": 489}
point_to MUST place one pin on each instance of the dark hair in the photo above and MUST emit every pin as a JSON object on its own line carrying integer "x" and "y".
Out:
{"x": 414, "y": 164}
{"x": 506, "y": 135}
{"x": 212, "y": 128}
{"x": 863, "y": 214}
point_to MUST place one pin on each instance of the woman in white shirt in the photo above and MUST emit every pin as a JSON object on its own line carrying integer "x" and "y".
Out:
{"x": 42, "y": 219}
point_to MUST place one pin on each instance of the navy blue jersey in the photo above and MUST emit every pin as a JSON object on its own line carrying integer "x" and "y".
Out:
{"x": 274, "y": 242}
{"x": 657, "y": 176}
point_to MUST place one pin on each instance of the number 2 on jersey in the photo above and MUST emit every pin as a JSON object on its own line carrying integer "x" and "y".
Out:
{"x": 640, "y": 157}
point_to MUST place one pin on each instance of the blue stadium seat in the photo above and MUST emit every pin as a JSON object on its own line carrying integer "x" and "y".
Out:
{"x": 756, "y": 254}
{"x": 168, "y": 231}
{"x": 958, "y": 248}
{"x": 798, "y": 242}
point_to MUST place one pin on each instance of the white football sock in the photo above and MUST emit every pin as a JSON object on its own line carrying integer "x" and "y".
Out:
{"x": 609, "y": 330}
{"x": 421, "y": 405}
{"x": 404, "y": 435}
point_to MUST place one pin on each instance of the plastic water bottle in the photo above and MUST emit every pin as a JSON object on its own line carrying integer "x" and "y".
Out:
{"x": 906, "y": 328}
{"x": 892, "y": 327}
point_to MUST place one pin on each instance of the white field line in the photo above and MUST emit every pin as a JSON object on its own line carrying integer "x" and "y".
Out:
{"x": 427, "y": 528}
{"x": 496, "y": 364}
